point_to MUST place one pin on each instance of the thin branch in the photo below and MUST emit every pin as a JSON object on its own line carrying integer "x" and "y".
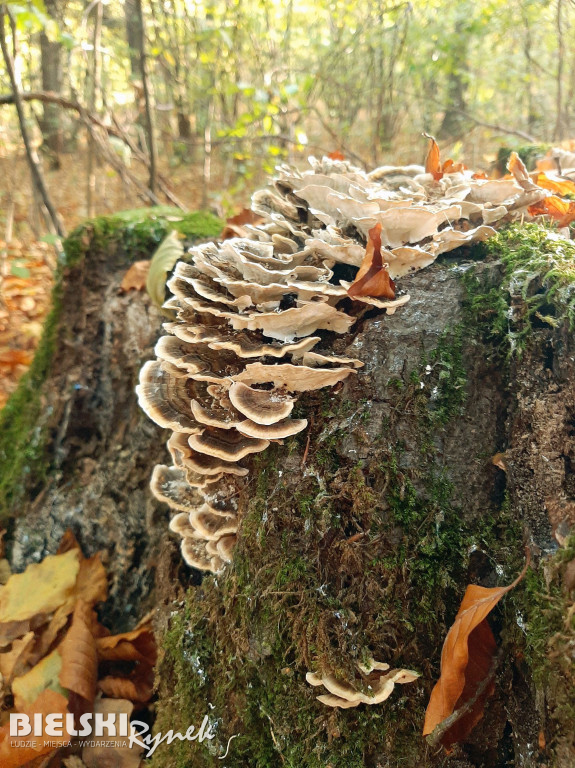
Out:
{"x": 49, "y": 97}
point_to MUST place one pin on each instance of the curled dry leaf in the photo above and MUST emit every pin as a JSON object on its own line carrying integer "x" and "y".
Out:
{"x": 562, "y": 211}
{"x": 373, "y": 278}
{"x": 135, "y": 278}
{"x": 498, "y": 460}
{"x": 433, "y": 159}
{"x": 163, "y": 261}
{"x": 466, "y": 661}
{"x": 137, "y": 647}
{"x": 517, "y": 168}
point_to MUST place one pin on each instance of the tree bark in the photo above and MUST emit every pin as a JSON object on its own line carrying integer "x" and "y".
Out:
{"x": 51, "y": 58}
{"x": 150, "y": 135}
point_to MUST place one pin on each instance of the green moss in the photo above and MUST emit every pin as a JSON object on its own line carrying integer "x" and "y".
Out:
{"x": 138, "y": 232}
{"x": 537, "y": 288}
{"x": 23, "y": 451}
{"x": 25, "y": 460}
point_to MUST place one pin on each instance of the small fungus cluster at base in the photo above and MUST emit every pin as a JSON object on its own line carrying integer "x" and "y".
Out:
{"x": 380, "y": 679}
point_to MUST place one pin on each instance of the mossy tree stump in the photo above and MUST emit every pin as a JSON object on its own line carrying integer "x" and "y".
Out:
{"x": 358, "y": 536}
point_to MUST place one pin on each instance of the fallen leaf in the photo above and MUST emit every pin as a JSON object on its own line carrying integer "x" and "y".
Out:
{"x": 28, "y": 598}
{"x": 137, "y": 645}
{"x": 138, "y": 649}
{"x": 563, "y": 187}
{"x": 562, "y": 211}
{"x": 235, "y": 225}
{"x": 516, "y": 167}
{"x": 373, "y": 278}
{"x": 79, "y": 659}
{"x": 163, "y": 260}
{"x": 337, "y": 155}
{"x": 113, "y": 750}
{"x": 498, "y": 460}
{"x": 136, "y": 277}
{"x": 44, "y": 676}
{"x": 13, "y": 756}
{"x": 12, "y": 662}
{"x": 466, "y": 661}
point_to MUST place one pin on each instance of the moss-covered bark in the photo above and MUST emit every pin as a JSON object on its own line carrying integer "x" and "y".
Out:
{"x": 75, "y": 451}
{"x": 358, "y": 538}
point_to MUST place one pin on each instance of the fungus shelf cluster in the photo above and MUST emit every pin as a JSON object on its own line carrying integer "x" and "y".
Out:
{"x": 378, "y": 678}
{"x": 248, "y": 315}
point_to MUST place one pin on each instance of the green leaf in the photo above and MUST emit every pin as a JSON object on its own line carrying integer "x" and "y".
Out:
{"x": 17, "y": 271}
{"x": 163, "y": 261}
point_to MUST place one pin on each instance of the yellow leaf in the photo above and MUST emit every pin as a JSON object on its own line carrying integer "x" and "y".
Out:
{"x": 41, "y": 589}
{"x": 163, "y": 260}
{"x": 43, "y": 676}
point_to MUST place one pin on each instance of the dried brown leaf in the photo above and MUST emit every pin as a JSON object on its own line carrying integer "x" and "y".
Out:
{"x": 136, "y": 277}
{"x": 373, "y": 278}
{"x": 466, "y": 660}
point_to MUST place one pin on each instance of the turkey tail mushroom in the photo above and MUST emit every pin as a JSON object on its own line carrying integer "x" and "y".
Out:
{"x": 247, "y": 312}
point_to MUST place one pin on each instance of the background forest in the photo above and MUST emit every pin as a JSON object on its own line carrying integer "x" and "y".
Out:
{"x": 189, "y": 102}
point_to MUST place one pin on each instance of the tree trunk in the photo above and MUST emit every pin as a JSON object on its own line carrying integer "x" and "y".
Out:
{"x": 51, "y": 57}
{"x": 133, "y": 34}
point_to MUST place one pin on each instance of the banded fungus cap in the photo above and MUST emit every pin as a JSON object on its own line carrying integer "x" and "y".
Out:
{"x": 260, "y": 406}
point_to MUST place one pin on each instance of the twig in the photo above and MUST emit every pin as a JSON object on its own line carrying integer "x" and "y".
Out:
{"x": 434, "y": 738}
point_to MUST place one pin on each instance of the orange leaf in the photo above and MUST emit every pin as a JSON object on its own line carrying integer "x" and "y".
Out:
{"x": 13, "y": 756}
{"x": 450, "y": 167}
{"x": 466, "y": 660}
{"x": 433, "y": 159}
{"x": 135, "y": 278}
{"x": 563, "y": 187}
{"x": 139, "y": 647}
{"x": 563, "y": 211}
{"x": 337, "y": 155}
{"x": 373, "y": 278}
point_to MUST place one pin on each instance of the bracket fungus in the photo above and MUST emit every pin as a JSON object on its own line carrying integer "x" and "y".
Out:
{"x": 246, "y": 313}
{"x": 376, "y": 677}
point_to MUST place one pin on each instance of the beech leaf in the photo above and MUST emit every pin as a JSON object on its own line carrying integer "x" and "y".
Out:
{"x": 163, "y": 260}
{"x": 466, "y": 661}
{"x": 235, "y": 226}
{"x": 373, "y": 278}
{"x": 13, "y": 753}
{"x": 79, "y": 658}
{"x": 28, "y": 598}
